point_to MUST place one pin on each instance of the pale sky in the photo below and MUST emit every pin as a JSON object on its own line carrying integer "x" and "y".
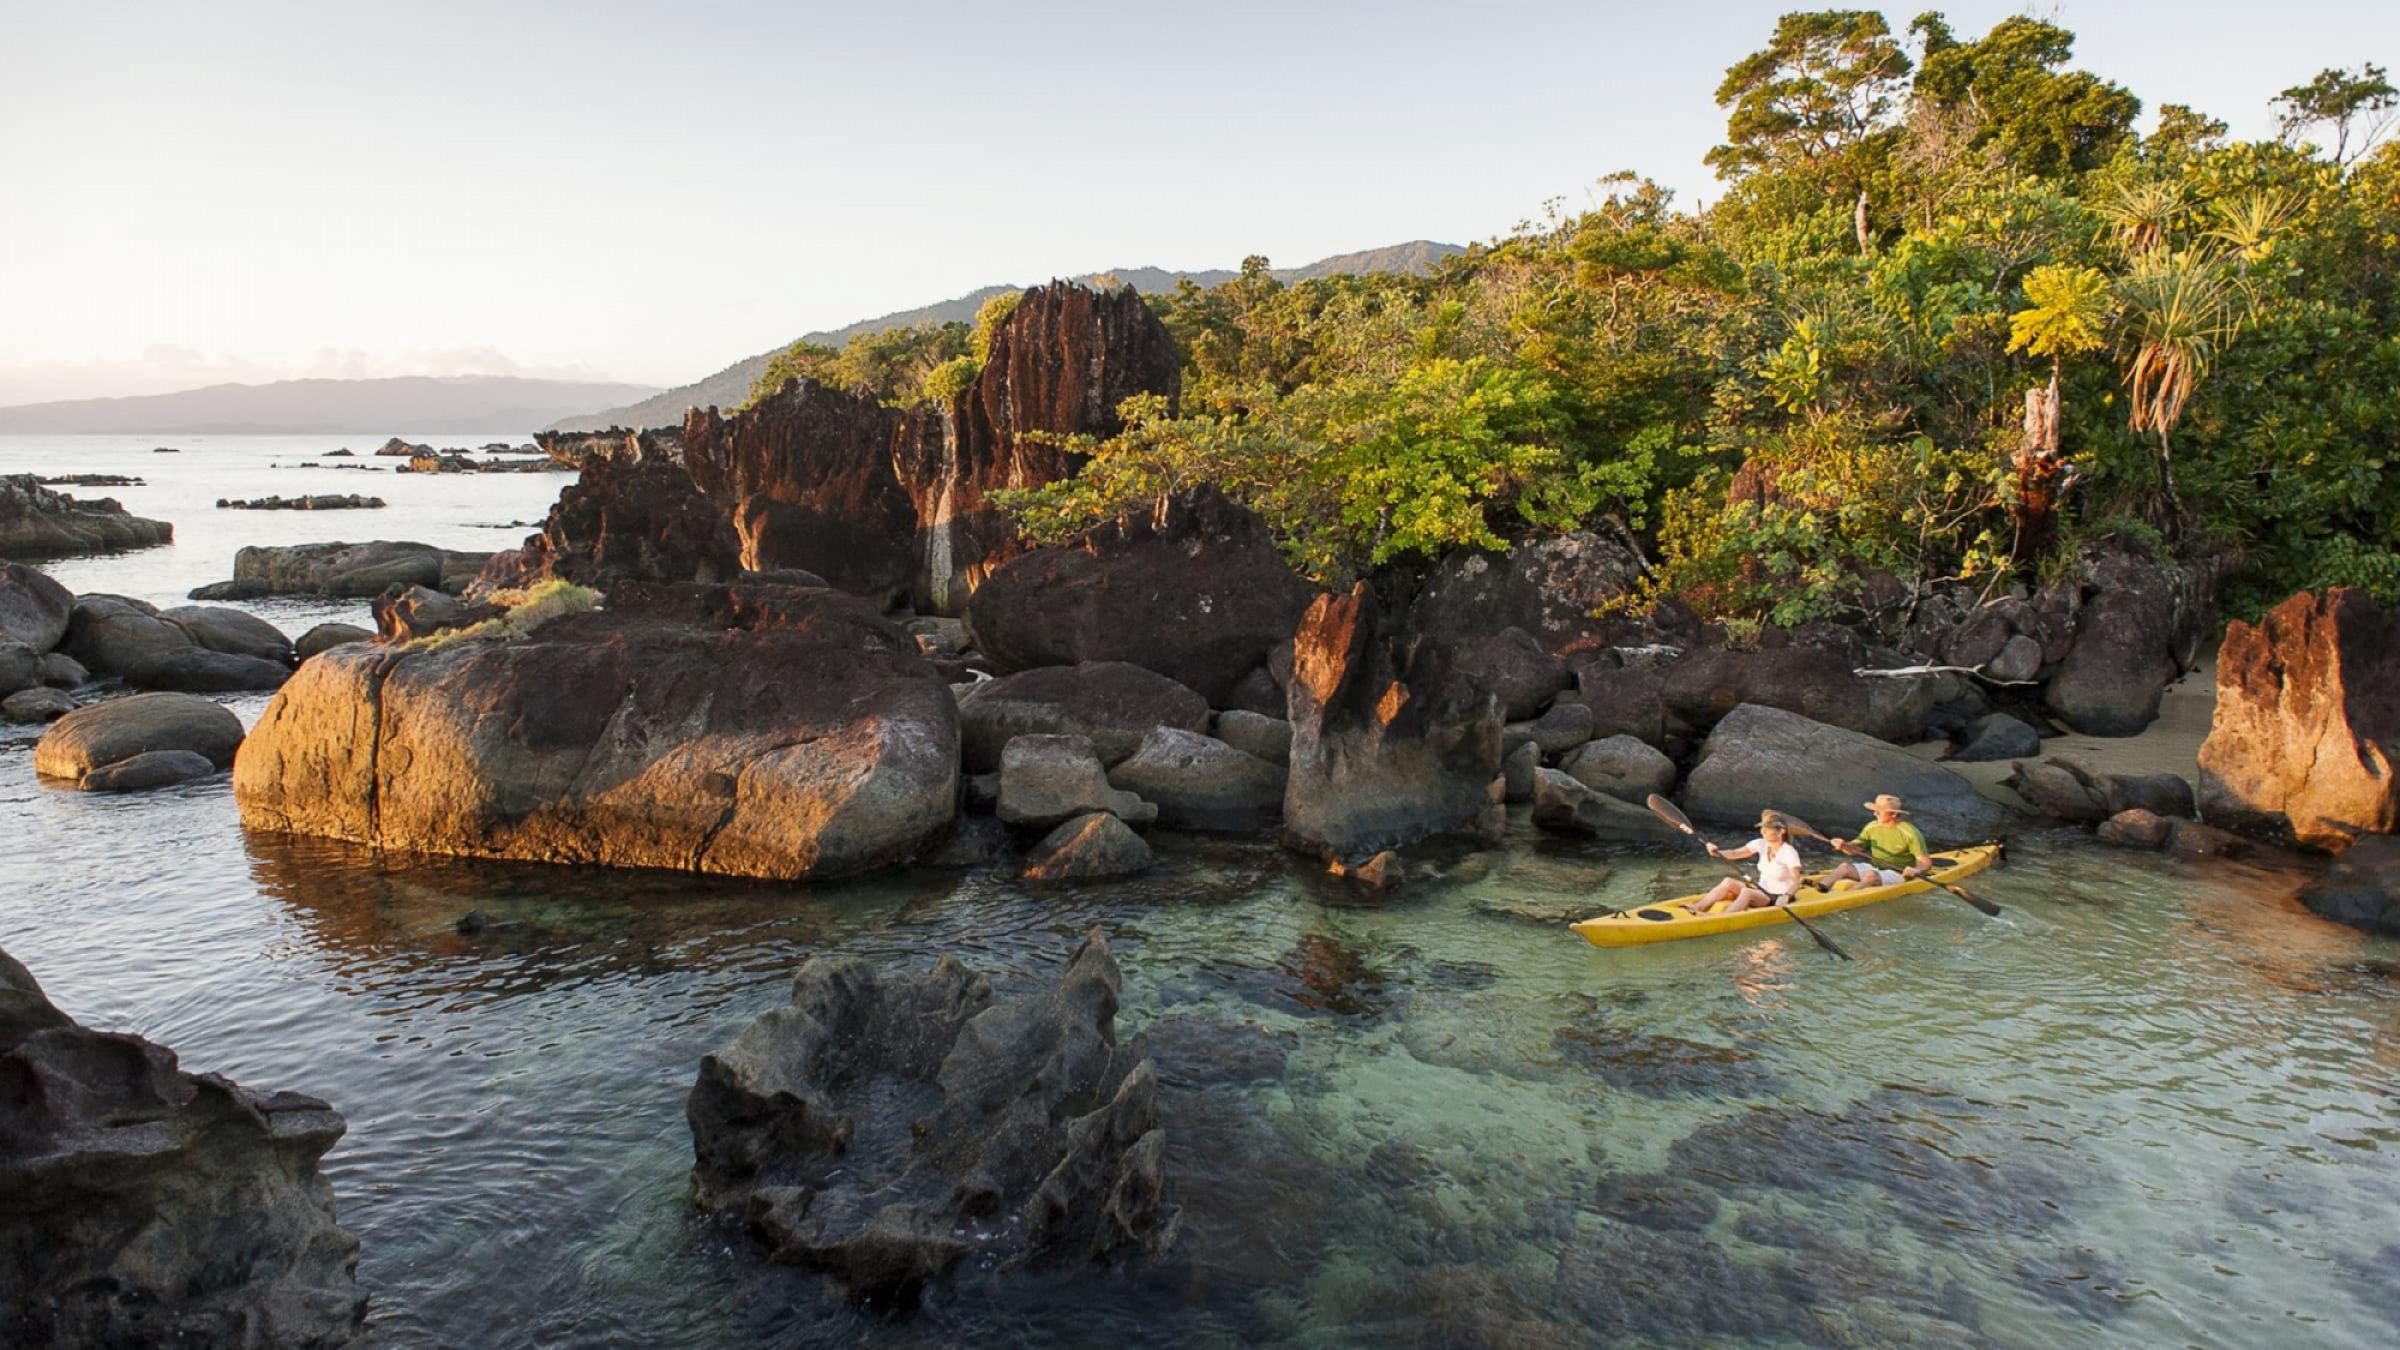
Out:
{"x": 647, "y": 192}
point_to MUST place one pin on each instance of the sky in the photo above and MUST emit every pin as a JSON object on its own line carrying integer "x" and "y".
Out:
{"x": 647, "y": 192}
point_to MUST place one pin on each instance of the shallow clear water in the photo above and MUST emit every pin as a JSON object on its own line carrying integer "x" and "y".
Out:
{"x": 2152, "y": 1104}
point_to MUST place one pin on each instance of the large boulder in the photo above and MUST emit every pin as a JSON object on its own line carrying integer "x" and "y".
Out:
{"x": 625, "y": 520}
{"x": 33, "y": 706}
{"x": 33, "y": 608}
{"x": 327, "y": 636}
{"x": 1995, "y": 736}
{"x": 1257, "y": 735}
{"x": 1811, "y": 671}
{"x": 753, "y": 731}
{"x": 1625, "y": 687}
{"x": 142, "y": 1205}
{"x": 197, "y": 670}
{"x": 38, "y": 523}
{"x": 346, "y": 571}
{"x": 120, "y": 636}
{"x": 2133, "y": 634}
{"x": 1549, "y": 588}
{"x": 100, "y": 734}
{"x": 234, "y": 632}
{"x": 883, "y": 1128}
{"x": 1201, "y": 783}
{"x": 1761, "y": 758}
{"x": 1048, "y": 780}
{"x": 1094, "y": 847}
{"x": 20, "y": 667}
{"x": 1520, "y": 673}
{"x": 1197, "y": 591}
{"x": 2362, "y": 887}
{"x": 1112, "y": 702}
{"x": 2307, "y": 722}
{"x": 1564, "y": 804}
{"x": 1623, "y": 767}
{"x": 1391, "y": 740}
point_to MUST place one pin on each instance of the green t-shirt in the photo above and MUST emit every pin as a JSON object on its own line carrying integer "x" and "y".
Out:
{"x": 1894, "y": 846}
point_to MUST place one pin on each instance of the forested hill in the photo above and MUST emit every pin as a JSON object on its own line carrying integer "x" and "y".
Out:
{"x": 731, "y": 385}
{"x": 414, "y": 404}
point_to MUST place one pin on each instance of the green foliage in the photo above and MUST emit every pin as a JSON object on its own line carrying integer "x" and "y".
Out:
{"x": 893, "y": 367}
{"x": 2357, "y": 105}
{"x": 525, "y": 609}
{"x": 2066, "y": 312}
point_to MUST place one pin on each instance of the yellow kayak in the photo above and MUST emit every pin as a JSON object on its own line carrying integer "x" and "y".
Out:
{"x": 1659, "y": 923}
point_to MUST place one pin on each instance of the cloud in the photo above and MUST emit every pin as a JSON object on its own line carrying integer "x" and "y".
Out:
{"x": 164, "y": 368}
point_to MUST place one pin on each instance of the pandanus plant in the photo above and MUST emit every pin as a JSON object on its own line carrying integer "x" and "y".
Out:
{"x": 2177, "y": 311}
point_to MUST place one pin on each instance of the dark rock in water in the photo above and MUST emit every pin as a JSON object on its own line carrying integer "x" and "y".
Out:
{"x": 1391, "y": 741}
{"x": 115, "y": 635}
{"x": 743, "y": 731}
{"x": 2307, "y": 722}
{"x": 61, "y": 671}
{"x": 2133, "y": 635}
{"x": 1663, "y": 1066}
{"x": 395, "y": 448}
{"x": 92, "y": 480}
{"x": 1201, "y": 783}
{"x": 1563, "y": 804}
{"x": 142, "y": 1205}
{"x": 194, "y": 648}
{"x": 1996, "y": 736}
{"x": 883, "y": 1128}
{"x": 327, "y": 636}
{"x": 1382, "y": 872}
{"x": 473, "y": 921}
{"x": 1518, "y": 772}
{"x": 1667, "y": 1202}
{"x": 1113, "y": 703}
{"x": 1093, "y": 847}
{"x": 625, "y": 520}
{"x": 2362, "y": 887}
{"x": 2194, "y": 840}
{"x": 1547, "y": 912}
{"x": 352, "y": 571}
{"x": 975, "y": 841}
{"x": 1047, "y": 781}
{"x": 196, "y": 670}
{"x": 104, "y": 733}
{"x": 36, "y": 705}
{"x": 20, "y": 667}
{"x": 2135, "y": 828}
{"x": 33, "y": 608}
{"x": 1198, "y": 592}
{"x": 1765, "y": 758}
{"x": 234, "y": 632}
{"x": 1709, "y": 1299}
{"x": 1547, "y": 588}
{"x": 2067, "y": 789}
{"x": 252, "y": 589}
{"x": 324, "y": 501}
{"x": 150, "y": 769}
{"x": 2079, "y": 1280}
{"x": 38, "y": 523}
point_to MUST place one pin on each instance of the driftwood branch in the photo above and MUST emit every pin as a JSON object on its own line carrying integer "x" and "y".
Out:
{"x": 1910, "y": 672}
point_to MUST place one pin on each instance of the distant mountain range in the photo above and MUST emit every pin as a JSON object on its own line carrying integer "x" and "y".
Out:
{"x": 417, "y": 404}
{"x": 732, "y": 384}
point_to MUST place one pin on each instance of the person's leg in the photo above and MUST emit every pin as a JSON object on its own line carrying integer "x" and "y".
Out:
{"x": 1721, "y": 891}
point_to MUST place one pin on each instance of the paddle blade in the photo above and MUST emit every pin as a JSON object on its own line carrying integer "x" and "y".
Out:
{"x": 1971, "y": 898}
{"x": 1665, "y": 810}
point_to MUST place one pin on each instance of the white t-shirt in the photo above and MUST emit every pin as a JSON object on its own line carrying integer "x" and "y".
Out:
{"x": 1778, "y": 867}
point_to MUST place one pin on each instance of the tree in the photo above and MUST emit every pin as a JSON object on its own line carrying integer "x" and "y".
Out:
{"x": 2066, "y": 314}
{"x": 2179, "y": 310}
{"x": 1818, "y": 100}
{"x": 2037, "y": 117}
{"x": 2363, "y": 104}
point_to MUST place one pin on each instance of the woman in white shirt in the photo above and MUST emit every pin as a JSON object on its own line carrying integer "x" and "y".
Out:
{"x": 1778, "y": 871}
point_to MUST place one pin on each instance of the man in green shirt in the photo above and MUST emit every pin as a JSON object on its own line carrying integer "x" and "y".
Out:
{"x": 1889, "y": 849}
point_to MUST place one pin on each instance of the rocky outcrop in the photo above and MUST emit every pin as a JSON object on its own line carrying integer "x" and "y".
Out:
{"x": 102, "y": 734}
{"x": 893, "y": 505}
{"x": 1548, "y": 588}
{"x": 625, "y": 520}
{"x": 346, "y": 571}
{"x": 2136, "y": 628}
{"x": 2307, "y": 723}
{"x": 235, "y": 632}
{"x": 1995, "y": 736}
{"x": 1761, "y": 758}
{"x": 1391, "y": 741}
{"x": 2362, "y": 887}
{"x": 1111, "y": 702}
{"x": 1810, "y": 671}
{"x": 1197, "y": 591}
{"x": 38, "y": 523}
{"x": 577, "y": 449}
{"x": 747, "y": 730}
{"x": 884, "y": 1128}
{"x": 395, "y": 448}
{"x": 1200, "y": 783}
{"x": 323, "y": 501}
{"x": 33, "y": 608}
{"x": 142, "y": 1205}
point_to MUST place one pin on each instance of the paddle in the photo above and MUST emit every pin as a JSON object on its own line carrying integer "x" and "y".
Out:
{"x": 1665, "y": 810}
{"x": 1807, "y": 831}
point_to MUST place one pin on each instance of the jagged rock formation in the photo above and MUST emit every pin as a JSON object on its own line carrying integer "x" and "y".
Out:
{"x": 1391, "y": 741}
{"x": 577, "y": 449}
{"x": 1196, "y": 591}
{"x": 2307, "y": 722}
{"x": 142, "y": 1205}
{"x": 751, "y": 730}
{"x": 38, "y": 523}
{"x": 887, "y": 503}
{"x": 625, "y": 519}
{"x": 883, "y": 1128}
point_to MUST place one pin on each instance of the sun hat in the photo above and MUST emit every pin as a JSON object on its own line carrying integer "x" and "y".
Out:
{"x": 1887, "y": 802}
{"x": 1774, "y": 818}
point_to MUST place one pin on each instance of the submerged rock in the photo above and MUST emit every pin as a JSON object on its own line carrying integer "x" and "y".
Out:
{"x": 2307, "y": 722}
{"x": 751, "y": 731}
{"x": 2362, "y": 888}
{"x": 882, "y": 1128}
{"x": 142, "y": 1205}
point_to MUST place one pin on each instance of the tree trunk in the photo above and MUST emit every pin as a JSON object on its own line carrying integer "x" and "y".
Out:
{"x": 1859, "y": 219}
{"x": 2039, "y": 469}
{"x": 2173, "y": 525}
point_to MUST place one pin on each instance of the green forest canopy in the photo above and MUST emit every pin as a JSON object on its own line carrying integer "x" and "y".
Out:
{"x": 1827, "y": 370}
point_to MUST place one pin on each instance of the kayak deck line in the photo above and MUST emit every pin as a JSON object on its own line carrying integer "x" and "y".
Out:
{"x": 1639, "y": 925}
